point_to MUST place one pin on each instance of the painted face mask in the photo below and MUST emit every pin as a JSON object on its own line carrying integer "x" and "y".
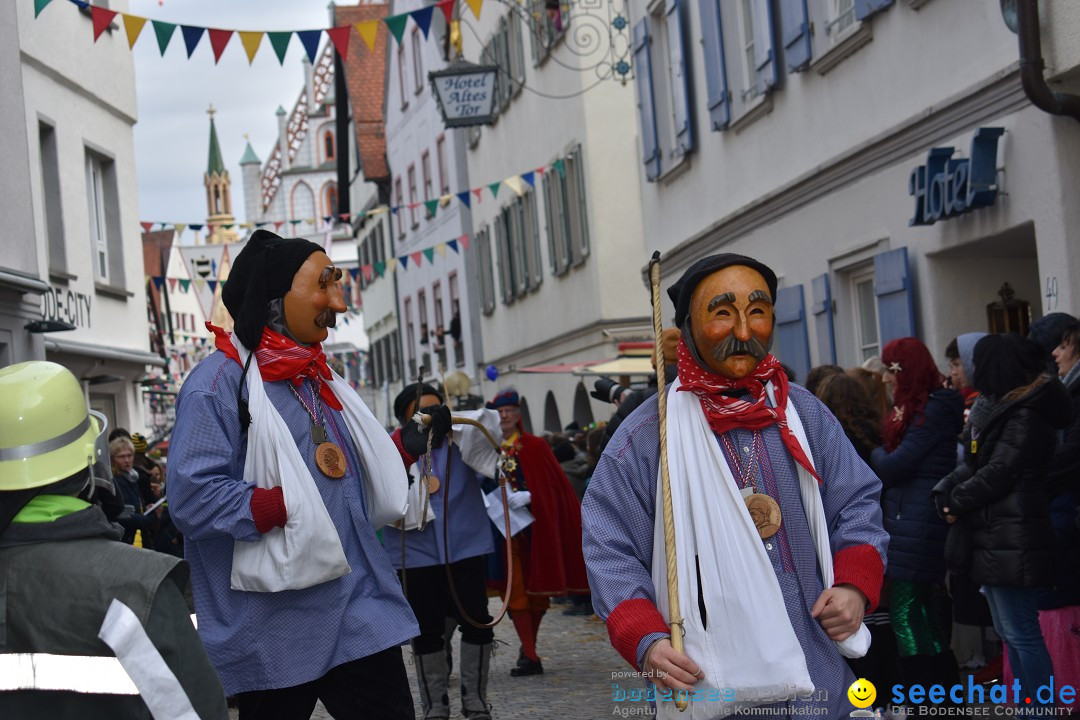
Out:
{"x": 731, "y": 320}
{"x": 313, "y": 301}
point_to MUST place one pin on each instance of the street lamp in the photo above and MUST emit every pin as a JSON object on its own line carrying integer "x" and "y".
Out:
{"x": 465, "y": 93}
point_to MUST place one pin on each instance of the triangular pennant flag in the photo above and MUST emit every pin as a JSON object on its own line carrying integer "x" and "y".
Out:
{"x": 210, "y": 228}
{"x": 540, "y": 171}
{"x": 278, "y": 224}
{"x": 340, "y": 37}
{"x": 212, "y": 284}
{"x": 345, "y": 217}
{"x": 447, "y": 7}
{"x": 432, "y": 206}
{"x": 179, "y": 228}
{"x": 560, "y": 167}
{"x": 159, "y": 282}
{"x": 393, "y": 210}
{"x": 82, "y": 4}
{"x": 192, "y": 36}
{"x": 295, "y": 222}
{"x": 367, "y": 272}
{"x": 479, "y": 193}
{"x": 200, "y": 283}
{"x": 396, "y": 23}
{"x": 146, "y": 226}
{"x": 39, "y": 5}
{"x": 195, "y": 227}
{"x": 310, "y": 41}
{"x": 380, "y": 268}
{"x": 228, "y": 226}
{"x": 368, "y": 31}
{"x": 261, "y": 224}
{"x": 416, "y": 257}
{"x": 280, "y": 41}
{"x": 464, "y": 240}
{"x": 185, "y": 285}
{"x": 474, "y": 5}
{"x": 172, "y": 284}
{"x": 102, "y": 18}
{"x": 422, "y": 18}
{"x": 133, "y": 25}
{"x": 452, "y": 244}
{"x": 429, "y": 253}
{"x": 529, "y": 177}
{"x": 441, "y": 249}
{"x": 218, "y": 40}
{"x": 514, "y": 183}
{"x": 354, "y": 273}
{"x": 391, "y": 264}
{"x": 250, "y": 39}
{"x": 164, "y": 32}
{"x": 146, "y": 279}
{"x": 495, "y": 189}
{"x": 404, "y": 260}
{"x": 444, "y": 200}
{"x": 464, "y": 198}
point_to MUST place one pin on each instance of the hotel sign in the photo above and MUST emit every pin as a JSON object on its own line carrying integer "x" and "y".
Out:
{"x": 946, "y": 187}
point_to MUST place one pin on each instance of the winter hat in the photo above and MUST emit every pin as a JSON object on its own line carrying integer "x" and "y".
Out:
{"x": 1006, "y": 362}
{"x": 1047, "y": 332}
{"x": 564, "y": 451}
{"x": 681, "y": 292}
{"x": 263, "y": 271}
{"x": 139, "y": 443}
{"x": 409, "y": 394}
{"x": 504, "y": 399}
{"x": 965, "y": 345}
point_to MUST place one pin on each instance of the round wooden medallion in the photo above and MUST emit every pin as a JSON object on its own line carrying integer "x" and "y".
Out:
{"x": 433, "y": 484}
{"x": 765, "y": 513}
{"x": 330, "y": 460}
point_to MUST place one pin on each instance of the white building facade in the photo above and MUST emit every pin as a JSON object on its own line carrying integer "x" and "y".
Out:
{"x": 82, "y": 252}
{"x": 882, "y": 157}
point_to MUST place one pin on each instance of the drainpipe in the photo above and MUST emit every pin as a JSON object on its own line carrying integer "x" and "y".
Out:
{"x": 1032, "y": 65}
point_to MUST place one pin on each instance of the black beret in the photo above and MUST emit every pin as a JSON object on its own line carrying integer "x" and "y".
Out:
{"x": 681, "y": 292}
{"x": 408, "y": 395}
{"x": 263, "y": 271}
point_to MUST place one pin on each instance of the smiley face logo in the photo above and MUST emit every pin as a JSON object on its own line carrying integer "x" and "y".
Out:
{"x": 862, "y": 693}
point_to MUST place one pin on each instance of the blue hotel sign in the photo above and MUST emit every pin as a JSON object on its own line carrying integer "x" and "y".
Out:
{"x": 946, "y": 187}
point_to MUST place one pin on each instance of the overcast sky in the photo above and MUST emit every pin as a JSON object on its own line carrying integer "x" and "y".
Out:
{"x": 172, "y": 133}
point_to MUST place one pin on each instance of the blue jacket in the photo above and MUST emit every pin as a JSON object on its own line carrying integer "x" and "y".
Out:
{"x": 925, "y": 455}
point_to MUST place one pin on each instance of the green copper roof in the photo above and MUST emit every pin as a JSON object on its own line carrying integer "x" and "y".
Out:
{"x": 215, "y": 165}
{"x": 250, "y": 158}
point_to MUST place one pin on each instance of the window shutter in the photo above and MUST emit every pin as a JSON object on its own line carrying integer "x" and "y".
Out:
{"x": 792, "y": 340}
{"x": 764, "y": 53}
{"x": 650, "y": 150}
{"x": 549, "y": 219}
{"x": 716, "y": 84}
{"x": 821, "y": 307}
{"x": 581, "y": 209}
{"x": 795, "y": 20}
{"x": 505, "y": 286}
{"x": 892, "y": 285}
{"x": 866, "y": 8}
{"x": 517, "y": 235}
{"x": 562, "y": 239}
{"x": 532, "y": 237}
{"x": 680, "y": 81}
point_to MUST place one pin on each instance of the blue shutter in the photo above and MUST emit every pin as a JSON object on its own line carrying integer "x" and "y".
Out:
{"x": 712, "y": 35}
{"x": 821, "y": 307}
{"x": 650, "y": 150}
{"x": 680, "y": 90}
{"x": 792, "y": 340}
{"x": 764, "y": 52}
{"x": 795, "y": 20}
{"x": 896, "y": 304}
{"x": 866, "y": 8}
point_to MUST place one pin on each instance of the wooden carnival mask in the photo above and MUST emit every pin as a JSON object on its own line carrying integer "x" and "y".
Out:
{"x": 313, "y": 301}
{"x": 731, "y": 320}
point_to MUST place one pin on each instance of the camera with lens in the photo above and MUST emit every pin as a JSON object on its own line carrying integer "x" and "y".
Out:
{"x": 607, "y": 390}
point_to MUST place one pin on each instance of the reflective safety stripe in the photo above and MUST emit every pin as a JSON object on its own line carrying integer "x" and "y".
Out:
{"x": 75, "y": 673}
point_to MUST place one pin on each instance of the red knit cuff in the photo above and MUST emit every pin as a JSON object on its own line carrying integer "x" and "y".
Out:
{"x": 860, "y": 565}
{"x": 406, "y": 458}
{"x": 630, "y": 621}
{"x": 268, "y": 509}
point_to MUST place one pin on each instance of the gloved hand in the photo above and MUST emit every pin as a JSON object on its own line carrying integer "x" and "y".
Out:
{"x": 414, "y": 436}
{"x": 941, "y": 502}
{"x": 519, "y": 499}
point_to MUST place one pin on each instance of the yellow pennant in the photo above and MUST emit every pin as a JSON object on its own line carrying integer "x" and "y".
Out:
{"x": 179, "y": 228}
{"x": 441, "y": 249}
{"x": 445, "y": 200}
{"x": 391, "y": 264}
{"x": 474, "y": 5}
{"x": 369, "y": 32}
{"x": 133, "y": 24}
{"x": 251, "y": 40}
{"x": 515, "y": 184}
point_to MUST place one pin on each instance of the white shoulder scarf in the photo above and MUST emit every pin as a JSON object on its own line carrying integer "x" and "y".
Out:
{"x": 308, "y": 551}
{"x": 750, "y": 646}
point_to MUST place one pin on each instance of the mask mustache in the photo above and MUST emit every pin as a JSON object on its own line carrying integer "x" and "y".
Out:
{"x": 326, "y": 318}
{"x": 731, "y": 345}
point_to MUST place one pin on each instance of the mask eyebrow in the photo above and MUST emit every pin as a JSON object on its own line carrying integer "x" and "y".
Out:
{"x": 719, "y": 300}
{"x": 329, "y": 273}
{"x": 760, "y": 295}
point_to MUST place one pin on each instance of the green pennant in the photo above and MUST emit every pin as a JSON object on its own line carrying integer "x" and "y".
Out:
{"x": 429, "y": 254}
{"x": 164, "y": 32}
{"x": 380, "y": 268}
{"x": 280, "y": 41}
{"x": 560, "y": 167}
{"x": 184, "y": 285}
{"x": 39, "y": 5}
{"x": 432, "y": 206}
{"x": 296, "y": 222}
{"x": 396, "y": 23}
{"x": 229, "y": 226}
{"x": 495, "y": 189}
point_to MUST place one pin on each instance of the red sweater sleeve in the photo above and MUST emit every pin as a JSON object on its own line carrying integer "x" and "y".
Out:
{"x": 406, "y": 458}
{"x": 861, "y": 566}
{"x": 630, "y": 621}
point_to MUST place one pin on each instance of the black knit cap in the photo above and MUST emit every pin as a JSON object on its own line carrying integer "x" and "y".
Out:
{"x": 1006, "y": 362}
{"x": 263, "y": 271}
{"x": 681, "y": 292}
{"x": 408, "y": 395}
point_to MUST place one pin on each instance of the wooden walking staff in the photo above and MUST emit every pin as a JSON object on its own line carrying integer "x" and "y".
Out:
{"x": 675, "y": 621}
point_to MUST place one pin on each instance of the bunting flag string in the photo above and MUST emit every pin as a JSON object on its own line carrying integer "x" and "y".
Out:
{"x": 102, "y": 18}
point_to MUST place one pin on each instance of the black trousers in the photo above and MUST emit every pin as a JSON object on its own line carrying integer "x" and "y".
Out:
{"x": 371, "y": 688}
{"x": 428, "y": 593}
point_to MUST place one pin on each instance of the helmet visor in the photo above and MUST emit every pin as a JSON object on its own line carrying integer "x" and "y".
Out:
{"x": 100, "y": 467}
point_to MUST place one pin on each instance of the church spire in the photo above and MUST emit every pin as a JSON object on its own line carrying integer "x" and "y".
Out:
{"x": 218, "y": 192}
{"x": 215, "y": 164}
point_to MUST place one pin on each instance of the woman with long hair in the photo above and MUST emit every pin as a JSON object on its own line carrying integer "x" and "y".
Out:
{"x": 918, "y": 449}
{"x": 851, "y": 404}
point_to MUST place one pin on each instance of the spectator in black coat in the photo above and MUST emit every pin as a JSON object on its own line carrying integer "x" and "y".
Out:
{"x": 998, "y": 497}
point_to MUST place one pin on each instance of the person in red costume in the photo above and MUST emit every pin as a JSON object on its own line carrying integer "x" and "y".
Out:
{"x": 547, "y": 554}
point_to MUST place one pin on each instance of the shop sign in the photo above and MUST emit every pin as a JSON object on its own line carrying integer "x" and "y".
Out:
{"x": 946, "y": 187}
{"x": 66, "y": 305}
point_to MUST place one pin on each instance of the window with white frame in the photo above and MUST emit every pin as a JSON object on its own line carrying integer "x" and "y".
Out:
{"x": 51, "y": 199}
{"x": 841, "y": 18}
{"x": 747, "y": 40}
{"x": 566, "y": 212}
{"x": 103, "y": 206}
{"x": 482, "y": 239}
{"x": 444, "y": 171}
{"x": 401, "y": 75}
{"x": 517, "y": 236}
{"x": 418, "y": 65}
{"x": 864, "y": 303}
{"x": 412, "y": 197}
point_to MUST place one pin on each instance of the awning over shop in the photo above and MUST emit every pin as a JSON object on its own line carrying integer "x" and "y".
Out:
{"x": 559, "y": 368}
{"x": 135, "y": 357}
{"x": 627, "y": 365}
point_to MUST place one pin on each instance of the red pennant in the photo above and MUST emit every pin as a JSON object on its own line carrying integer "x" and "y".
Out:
{"x": 146, "y": 226}
{"x": 464, "y": 241}
{"x": 479, "y": 193}
{"x": 102, "y": 18}
{"x": 447, "y": 7}
{"x": 416, "y": 257}
{"x": 278, "y": 224}
{"x": 540, "y": 171}
{"x": 367, "y": 272}
{"x": 209, "y": 229}
{"x": 340, "y": 37}
{"x": 218, "y": 40}
{"x": 345, "y": 217}
{"x": 172, "y": 284}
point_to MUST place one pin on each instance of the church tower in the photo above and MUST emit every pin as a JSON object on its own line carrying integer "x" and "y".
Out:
{"x": 218, "y": 193}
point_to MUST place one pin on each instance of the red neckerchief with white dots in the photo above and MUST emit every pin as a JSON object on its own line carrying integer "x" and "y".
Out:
{"x": 725, "y": 412}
